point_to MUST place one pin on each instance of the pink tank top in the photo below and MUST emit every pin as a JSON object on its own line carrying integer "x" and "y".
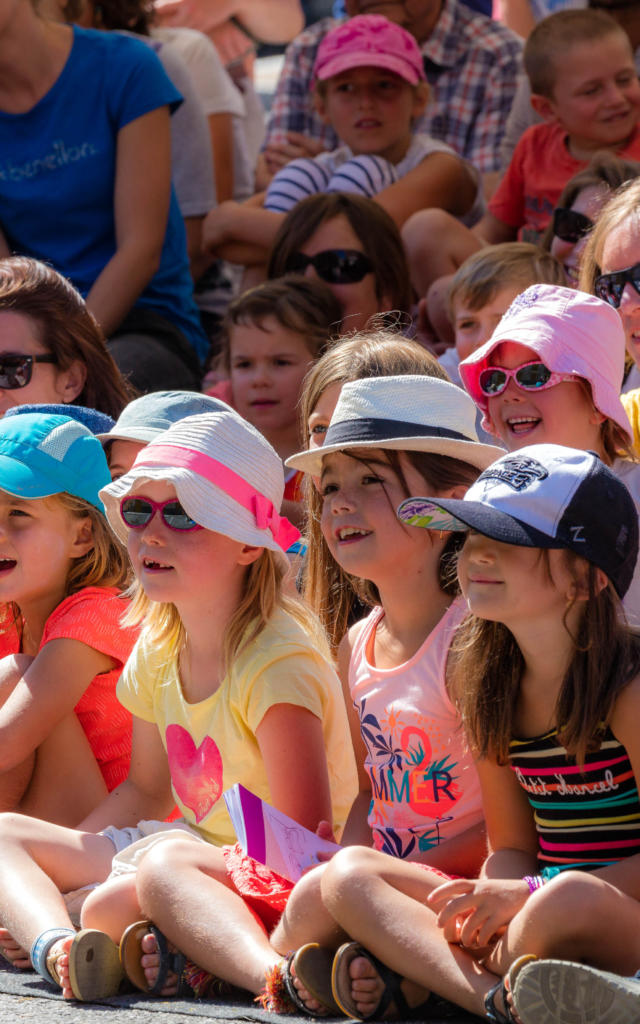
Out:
{"x": 424, "y": 784}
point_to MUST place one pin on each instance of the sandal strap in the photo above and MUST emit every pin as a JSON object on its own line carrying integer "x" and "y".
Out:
{"x": 491, "y": 1011}
{"x": 169, "y": 961}
{"x": 392, "y": 991}
{"x": 39, "y": 953}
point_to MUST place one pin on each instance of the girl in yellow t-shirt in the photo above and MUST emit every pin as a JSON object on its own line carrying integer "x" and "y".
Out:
{"x": 229, "y": 682}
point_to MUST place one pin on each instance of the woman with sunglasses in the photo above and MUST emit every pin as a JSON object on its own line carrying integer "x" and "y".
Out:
{"x": 579, "y": 205}
{"x": 230, "y": 682}
{"x": 551, "y": 374}
{"x": 353, "y": 245}
{"x": 611, "y": 269}
{"x": 51, "y": 348}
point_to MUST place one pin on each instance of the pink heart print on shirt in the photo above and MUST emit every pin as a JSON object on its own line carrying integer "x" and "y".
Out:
{"x": 196, "y": 772}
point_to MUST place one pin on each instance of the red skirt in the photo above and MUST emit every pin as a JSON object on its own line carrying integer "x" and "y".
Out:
{"x": 263, "y": 890}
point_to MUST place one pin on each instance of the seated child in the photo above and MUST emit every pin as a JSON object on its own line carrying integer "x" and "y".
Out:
{"x": 61, "y": 642}
{"x": 370, "y": 86}
{"x": 148, "y": 417}
{"x": 484, "y": 287}
{"x": 272, "y": 335}
{"x": 584, "y": 83}
{"x": 229, "y": 682}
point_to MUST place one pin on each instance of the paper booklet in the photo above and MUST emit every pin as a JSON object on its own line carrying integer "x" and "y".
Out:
{"x": 272, "y": 838}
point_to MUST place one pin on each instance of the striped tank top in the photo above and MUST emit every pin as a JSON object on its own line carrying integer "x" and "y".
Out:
{"x": 586, "y": 816}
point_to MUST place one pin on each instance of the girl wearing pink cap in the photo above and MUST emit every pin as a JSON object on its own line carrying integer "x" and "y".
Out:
{"x": 551, "y": 373}
{"x": 369, "y": 86}
{"x": 230, "y": 682}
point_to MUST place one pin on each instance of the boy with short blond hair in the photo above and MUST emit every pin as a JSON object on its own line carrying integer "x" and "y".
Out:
{"x": 484, "y": 287}
{"x": 585, "y": 86}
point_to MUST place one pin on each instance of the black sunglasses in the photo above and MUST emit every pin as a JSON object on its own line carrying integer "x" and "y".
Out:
{"x": 611, "y": 286}
{"x": 569, "y": 225}
{"x": 16, "y": 370}
{"x": 335, "y": 266}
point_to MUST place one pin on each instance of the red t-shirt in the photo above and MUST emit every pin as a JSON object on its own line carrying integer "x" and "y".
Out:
{"x": 93, "y": 617}
{"x": 540, "y": 167}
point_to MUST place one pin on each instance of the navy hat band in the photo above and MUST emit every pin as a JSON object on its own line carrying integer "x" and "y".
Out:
{"x": 373, "y": 429}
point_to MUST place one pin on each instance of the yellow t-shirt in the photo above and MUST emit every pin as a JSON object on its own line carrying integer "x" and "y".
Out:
{"x": 212, "y": 744}
{"x": 631, "y": 402}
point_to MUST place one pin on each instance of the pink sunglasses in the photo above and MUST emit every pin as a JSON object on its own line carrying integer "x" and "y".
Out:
{"x": 137, "y": 512}
{"x": 533, "y": 376}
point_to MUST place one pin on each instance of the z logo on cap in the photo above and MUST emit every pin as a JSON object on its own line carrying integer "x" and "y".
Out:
{"x": 518, "y": 471}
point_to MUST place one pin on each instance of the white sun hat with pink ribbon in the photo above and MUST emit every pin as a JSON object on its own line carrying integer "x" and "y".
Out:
{"x": 226, "y": 475}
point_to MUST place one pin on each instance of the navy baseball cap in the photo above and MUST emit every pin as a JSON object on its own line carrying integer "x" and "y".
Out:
{"x": 545, "y": 496}
{"x": 42, "y": 455}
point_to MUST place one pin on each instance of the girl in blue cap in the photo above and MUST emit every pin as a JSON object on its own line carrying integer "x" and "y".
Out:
{"x": 61, "y": 644}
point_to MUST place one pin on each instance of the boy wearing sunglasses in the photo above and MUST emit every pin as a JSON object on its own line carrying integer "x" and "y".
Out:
{"x": 370, "y": 87}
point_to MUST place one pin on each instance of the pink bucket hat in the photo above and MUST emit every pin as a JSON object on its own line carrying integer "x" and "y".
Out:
{"x": 572, "y": 333}
{"x": 369, "y": 40}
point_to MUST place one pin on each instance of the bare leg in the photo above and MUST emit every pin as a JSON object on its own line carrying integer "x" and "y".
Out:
{"x": 379, "y": 901}
{"x": 64, "y": 764}
{"x": 184, "y": 889}
{"x": 437, "y": 244}
{"x": 39, "y": 861}
{"x": 40, "y": 785}
{"x": 112, "y": 907}
{"x": 576, "y": 916}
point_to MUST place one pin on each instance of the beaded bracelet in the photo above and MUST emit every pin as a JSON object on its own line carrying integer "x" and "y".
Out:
{"x": 534, "y": 882}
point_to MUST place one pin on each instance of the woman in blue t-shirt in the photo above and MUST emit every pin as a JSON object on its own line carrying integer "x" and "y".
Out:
{"x": 85, "y": 184}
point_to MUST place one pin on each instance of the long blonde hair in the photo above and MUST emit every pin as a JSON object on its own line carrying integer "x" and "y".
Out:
{"x": 262, "y": 596}
{"x": 106, "y": 564}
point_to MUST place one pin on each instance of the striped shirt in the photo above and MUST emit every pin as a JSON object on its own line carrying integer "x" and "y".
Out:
{"x": 471, "y": 63}
{"x": 586, "y": 816}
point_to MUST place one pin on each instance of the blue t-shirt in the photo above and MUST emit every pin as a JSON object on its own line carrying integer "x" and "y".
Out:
{"x": 57, "y": 171}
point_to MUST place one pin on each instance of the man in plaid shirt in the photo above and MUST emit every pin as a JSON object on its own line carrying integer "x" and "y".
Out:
{"x": 471, "y": 64}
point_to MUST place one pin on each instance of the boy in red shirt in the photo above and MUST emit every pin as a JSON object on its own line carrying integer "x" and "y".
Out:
{"x": 585, "y": 86}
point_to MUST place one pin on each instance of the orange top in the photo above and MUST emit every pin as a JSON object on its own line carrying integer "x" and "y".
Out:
{"x": 93, "y": 617}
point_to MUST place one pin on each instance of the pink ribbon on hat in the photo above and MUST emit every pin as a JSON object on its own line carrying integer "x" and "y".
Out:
{"x": 221, "y": 476}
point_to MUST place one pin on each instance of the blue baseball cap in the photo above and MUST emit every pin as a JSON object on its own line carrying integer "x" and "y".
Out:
{"x": 96, "y": 421}
{"x": 150, "y": 415}
{"x": 41, "y": 455}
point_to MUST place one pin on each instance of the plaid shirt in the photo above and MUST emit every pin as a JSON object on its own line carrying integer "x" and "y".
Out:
{"x": 471, "y": 64}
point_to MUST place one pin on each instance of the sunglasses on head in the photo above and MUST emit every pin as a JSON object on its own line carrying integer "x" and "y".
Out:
{"x": 16, "y": 370}
{"x": 335, "y": 266}
{"x": 137, "y": 512}
{"x": 611, "y": 286}
{"x": 569, "y": 225}
{"x": 529, "y": 377}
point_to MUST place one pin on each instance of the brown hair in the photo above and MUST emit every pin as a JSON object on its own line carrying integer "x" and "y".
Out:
{"x": 376, "y": 231}
{"x": 127, "y": 15}
{"x": 553, "y": 37}
{"x": 486, "y": 667}
{"x": 66, "y": 328}
{"x": 478, "y": 280}
{"x": 296, "y": 303}
{"x": 328, "y": 589}
{"x": 604, "y": 170}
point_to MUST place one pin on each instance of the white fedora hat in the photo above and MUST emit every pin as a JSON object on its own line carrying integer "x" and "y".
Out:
{"x": 408, "y": 413}
{"x": 226, "y": 475}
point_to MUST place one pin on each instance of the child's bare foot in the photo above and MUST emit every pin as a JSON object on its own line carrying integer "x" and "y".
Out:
{"x": 58, "y": 964}
{"x": 365, "y": 988}
{"x": 12, "y": 951}
{"x": 313, "y": 1005}
{"x": 150, "y": 961}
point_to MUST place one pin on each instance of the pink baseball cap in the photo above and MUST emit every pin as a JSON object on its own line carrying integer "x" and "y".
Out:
{"x": 369, "y": 40}
{"x": 572, "y": 333}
